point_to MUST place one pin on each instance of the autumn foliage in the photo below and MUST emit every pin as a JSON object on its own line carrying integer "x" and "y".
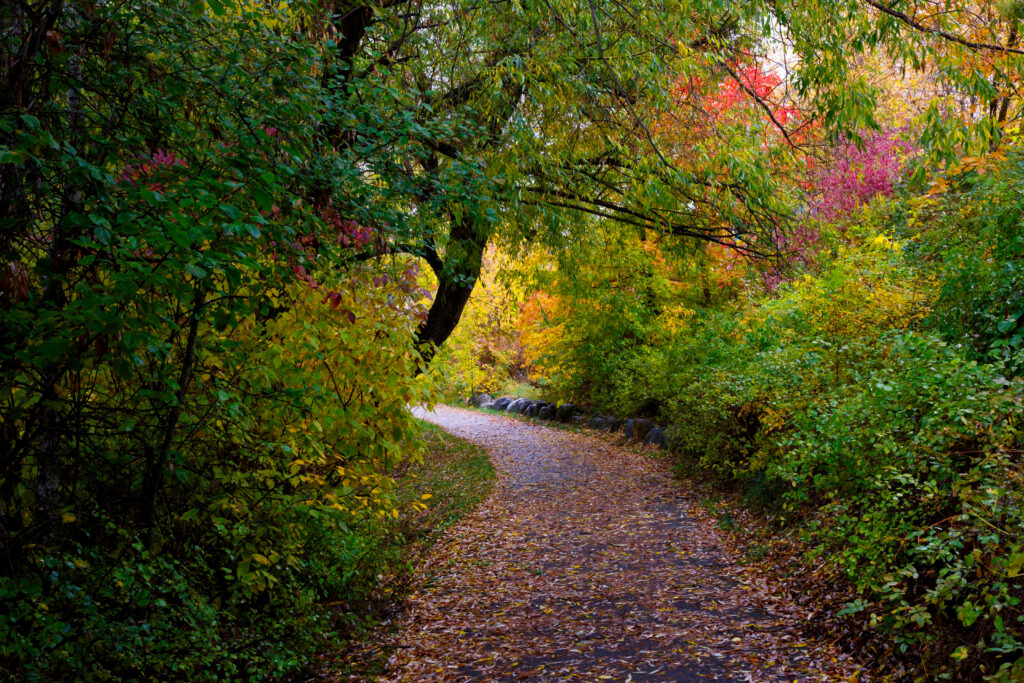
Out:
{"x": 231, "y": 234}
{"x": 204, "y": 396}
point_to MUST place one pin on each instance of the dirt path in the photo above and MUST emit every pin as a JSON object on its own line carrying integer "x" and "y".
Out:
{"x": 589, "y": 562}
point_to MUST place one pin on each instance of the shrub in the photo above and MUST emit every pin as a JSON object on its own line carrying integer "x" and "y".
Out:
{"x": 201, "y": 396}
{"x": 972, "y": 235}
{"x": 874, "y": 404}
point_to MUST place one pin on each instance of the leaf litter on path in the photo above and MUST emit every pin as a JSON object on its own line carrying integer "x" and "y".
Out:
{"x": 590, "y": 562}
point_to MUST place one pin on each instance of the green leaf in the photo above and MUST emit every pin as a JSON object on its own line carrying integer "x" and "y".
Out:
{"x": 195, "y": 271}
{"x": 218, "y": 7}
{"x": 263, "y": 200}
{"x": 1006, "y": 325}
{"x": 1014, "y": 565}
{"x": 52, "y": 349}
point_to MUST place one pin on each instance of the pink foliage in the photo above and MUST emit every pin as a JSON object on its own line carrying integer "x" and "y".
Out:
{"x": 348, "y": 232}
{"x": 854, "y": 176}
{"x": 143, "y": 171}
{"x": 848, "y": 179}
{"x": 303, "y": 276}
{"x": 351, "y": 234}
{"x": 798, "y": 248}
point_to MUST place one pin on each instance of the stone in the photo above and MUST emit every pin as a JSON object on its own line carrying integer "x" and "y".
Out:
{"x": 641, "y": 428}
{"x": 627, "y": 429}
{"x": 531, "y": 410}
{"x": 612, "y": 423}
{"x": 596, "y": 422}
{"x": 546, "y": 412}
{"x": 477, "y": 400}
{"x": 565, "y": 412}
{"x": 656, "y": 437}
{"x": 517, "y": 405}
{"x": 501, "y": 403}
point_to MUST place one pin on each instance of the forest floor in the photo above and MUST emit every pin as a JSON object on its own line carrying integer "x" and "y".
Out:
{"x": 590, "y": 562}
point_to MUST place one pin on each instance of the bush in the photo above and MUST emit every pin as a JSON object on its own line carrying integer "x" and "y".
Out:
{"x": 202, "y": 398}
{"x": 873, "y": 404}
{"x": 916, "y": 469}
{"x": 972, "y": 235}
{"x": 903, "y": 452}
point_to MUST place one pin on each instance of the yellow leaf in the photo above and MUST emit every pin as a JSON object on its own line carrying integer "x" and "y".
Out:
{"x": 67, "y": 518}
{"x": 262, "y": 559}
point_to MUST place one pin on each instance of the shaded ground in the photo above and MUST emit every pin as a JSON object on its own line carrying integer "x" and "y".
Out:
{"x": 588, "y": 562}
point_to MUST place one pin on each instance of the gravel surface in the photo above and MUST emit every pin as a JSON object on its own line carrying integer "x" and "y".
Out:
{"x": 590, "y": 562}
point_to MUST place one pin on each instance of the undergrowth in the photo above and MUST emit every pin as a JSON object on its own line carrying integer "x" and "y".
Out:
{"x": 453, "y": 478}
{"x": 870, "y": 408}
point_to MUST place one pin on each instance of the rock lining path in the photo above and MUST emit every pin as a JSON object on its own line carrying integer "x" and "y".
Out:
{"x": 590, "y": 562}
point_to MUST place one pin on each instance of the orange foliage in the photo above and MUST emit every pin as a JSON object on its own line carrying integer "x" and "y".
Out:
{"x": 539, "y": 333}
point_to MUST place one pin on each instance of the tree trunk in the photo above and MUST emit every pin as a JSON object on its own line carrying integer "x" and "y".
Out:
{"x": 456, "y": 279}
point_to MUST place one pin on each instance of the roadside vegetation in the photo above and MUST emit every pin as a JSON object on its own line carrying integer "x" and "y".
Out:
{"x": 868, "y": 404}
{"x": 239, "y": 239}
{"x": 453, "y": 477}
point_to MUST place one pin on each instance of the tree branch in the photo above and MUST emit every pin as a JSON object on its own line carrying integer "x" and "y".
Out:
{"x": 760, "y": 103}
{"x": 423, "y": 250}
{"x": 727, "y": 239}
{"x": 952, "y": 37}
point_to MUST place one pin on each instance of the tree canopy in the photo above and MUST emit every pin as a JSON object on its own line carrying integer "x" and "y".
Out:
{"x": 235, "y": 234}
{"x": 530, "y": 120}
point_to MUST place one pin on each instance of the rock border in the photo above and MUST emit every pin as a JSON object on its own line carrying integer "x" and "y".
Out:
{"x": 635, "y": 430}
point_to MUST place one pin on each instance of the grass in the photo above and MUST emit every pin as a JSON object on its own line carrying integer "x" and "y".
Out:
{"x": 455, "y": 475}
{"x": 453, "y": 478}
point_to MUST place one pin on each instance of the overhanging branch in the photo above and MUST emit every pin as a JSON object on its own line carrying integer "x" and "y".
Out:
{"x": 952, "y": 37}
{"x": 422, "y": 250}
{"x": 726, "y": 238}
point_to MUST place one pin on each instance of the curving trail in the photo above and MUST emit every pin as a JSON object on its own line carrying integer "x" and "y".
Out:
{"x": 589, "y": 562}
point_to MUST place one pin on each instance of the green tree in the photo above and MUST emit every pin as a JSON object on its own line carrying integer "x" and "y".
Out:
{"x": 199, "y": 411}
{"x": 542, "y": 113}
{"x": 534, "y": 115}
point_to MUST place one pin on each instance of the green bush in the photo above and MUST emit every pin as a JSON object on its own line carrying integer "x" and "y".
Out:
{"x": 875, "y": 404}
{"x": 202, "y": 398}
{"x": 916, "y": 469}
{"x": 974, "y": 237}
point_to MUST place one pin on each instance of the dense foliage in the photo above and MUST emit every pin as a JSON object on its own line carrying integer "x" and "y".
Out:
{"x": 201, "y": 409}
{"x": 213, "y": 217}
{"x": 872, "y": 404}
{"x": 864, "y": 387}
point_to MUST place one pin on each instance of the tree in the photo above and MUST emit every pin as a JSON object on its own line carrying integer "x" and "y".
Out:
{"x": 969, "y": 50}
{"x": 199, "y": 412}
{"x": 535, "y": 114}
